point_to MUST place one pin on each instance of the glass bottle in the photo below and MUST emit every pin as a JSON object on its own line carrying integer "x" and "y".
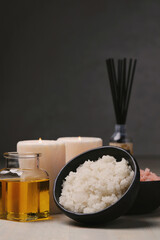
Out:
{"x": 24, "y": 188}
{"x": 121, "y": 139}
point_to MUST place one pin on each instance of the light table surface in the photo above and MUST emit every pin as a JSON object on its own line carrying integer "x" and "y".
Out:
{"x": 144, "y": 227}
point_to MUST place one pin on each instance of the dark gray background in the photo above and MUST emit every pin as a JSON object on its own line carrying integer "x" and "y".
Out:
{"x": 54, "y": 81}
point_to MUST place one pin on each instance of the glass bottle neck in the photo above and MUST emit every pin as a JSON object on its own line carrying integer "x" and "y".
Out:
{"x": 28, "y": 163}
{"x": 120, "y": 134}
{"x": 120, "y": 128}
{"x": 23, "y": 161}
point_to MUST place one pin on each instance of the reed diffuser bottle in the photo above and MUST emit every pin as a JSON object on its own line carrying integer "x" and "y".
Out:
{"x": 121, "y": 80}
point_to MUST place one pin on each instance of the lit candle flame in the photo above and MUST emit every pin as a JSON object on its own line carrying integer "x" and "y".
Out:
{"x": 40, "y": 139}
{"x": 79, "y": 138}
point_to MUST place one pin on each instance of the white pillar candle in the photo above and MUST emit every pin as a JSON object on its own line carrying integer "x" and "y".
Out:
{"x": 77, "y": 145}
{"x": 52, "y": 160}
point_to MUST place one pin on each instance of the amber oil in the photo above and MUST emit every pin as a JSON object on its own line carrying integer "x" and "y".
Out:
{"x": 24, "y": 200}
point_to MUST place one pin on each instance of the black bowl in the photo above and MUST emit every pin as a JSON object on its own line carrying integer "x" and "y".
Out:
{"x": 117, "y": 209}
{"x": 148, "y": 198}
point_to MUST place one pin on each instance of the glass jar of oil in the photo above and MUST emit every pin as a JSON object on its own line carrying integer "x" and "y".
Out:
{"x": 24, "y": 188}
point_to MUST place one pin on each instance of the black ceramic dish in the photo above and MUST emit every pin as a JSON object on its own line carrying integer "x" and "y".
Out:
{"x": 112, "y": 212}
{"x": 148, "y": 198}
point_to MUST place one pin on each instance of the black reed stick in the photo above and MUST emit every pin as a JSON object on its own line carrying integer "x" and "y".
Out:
{"x": 112, "y": 85}
{"x": 121, "y": 85}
